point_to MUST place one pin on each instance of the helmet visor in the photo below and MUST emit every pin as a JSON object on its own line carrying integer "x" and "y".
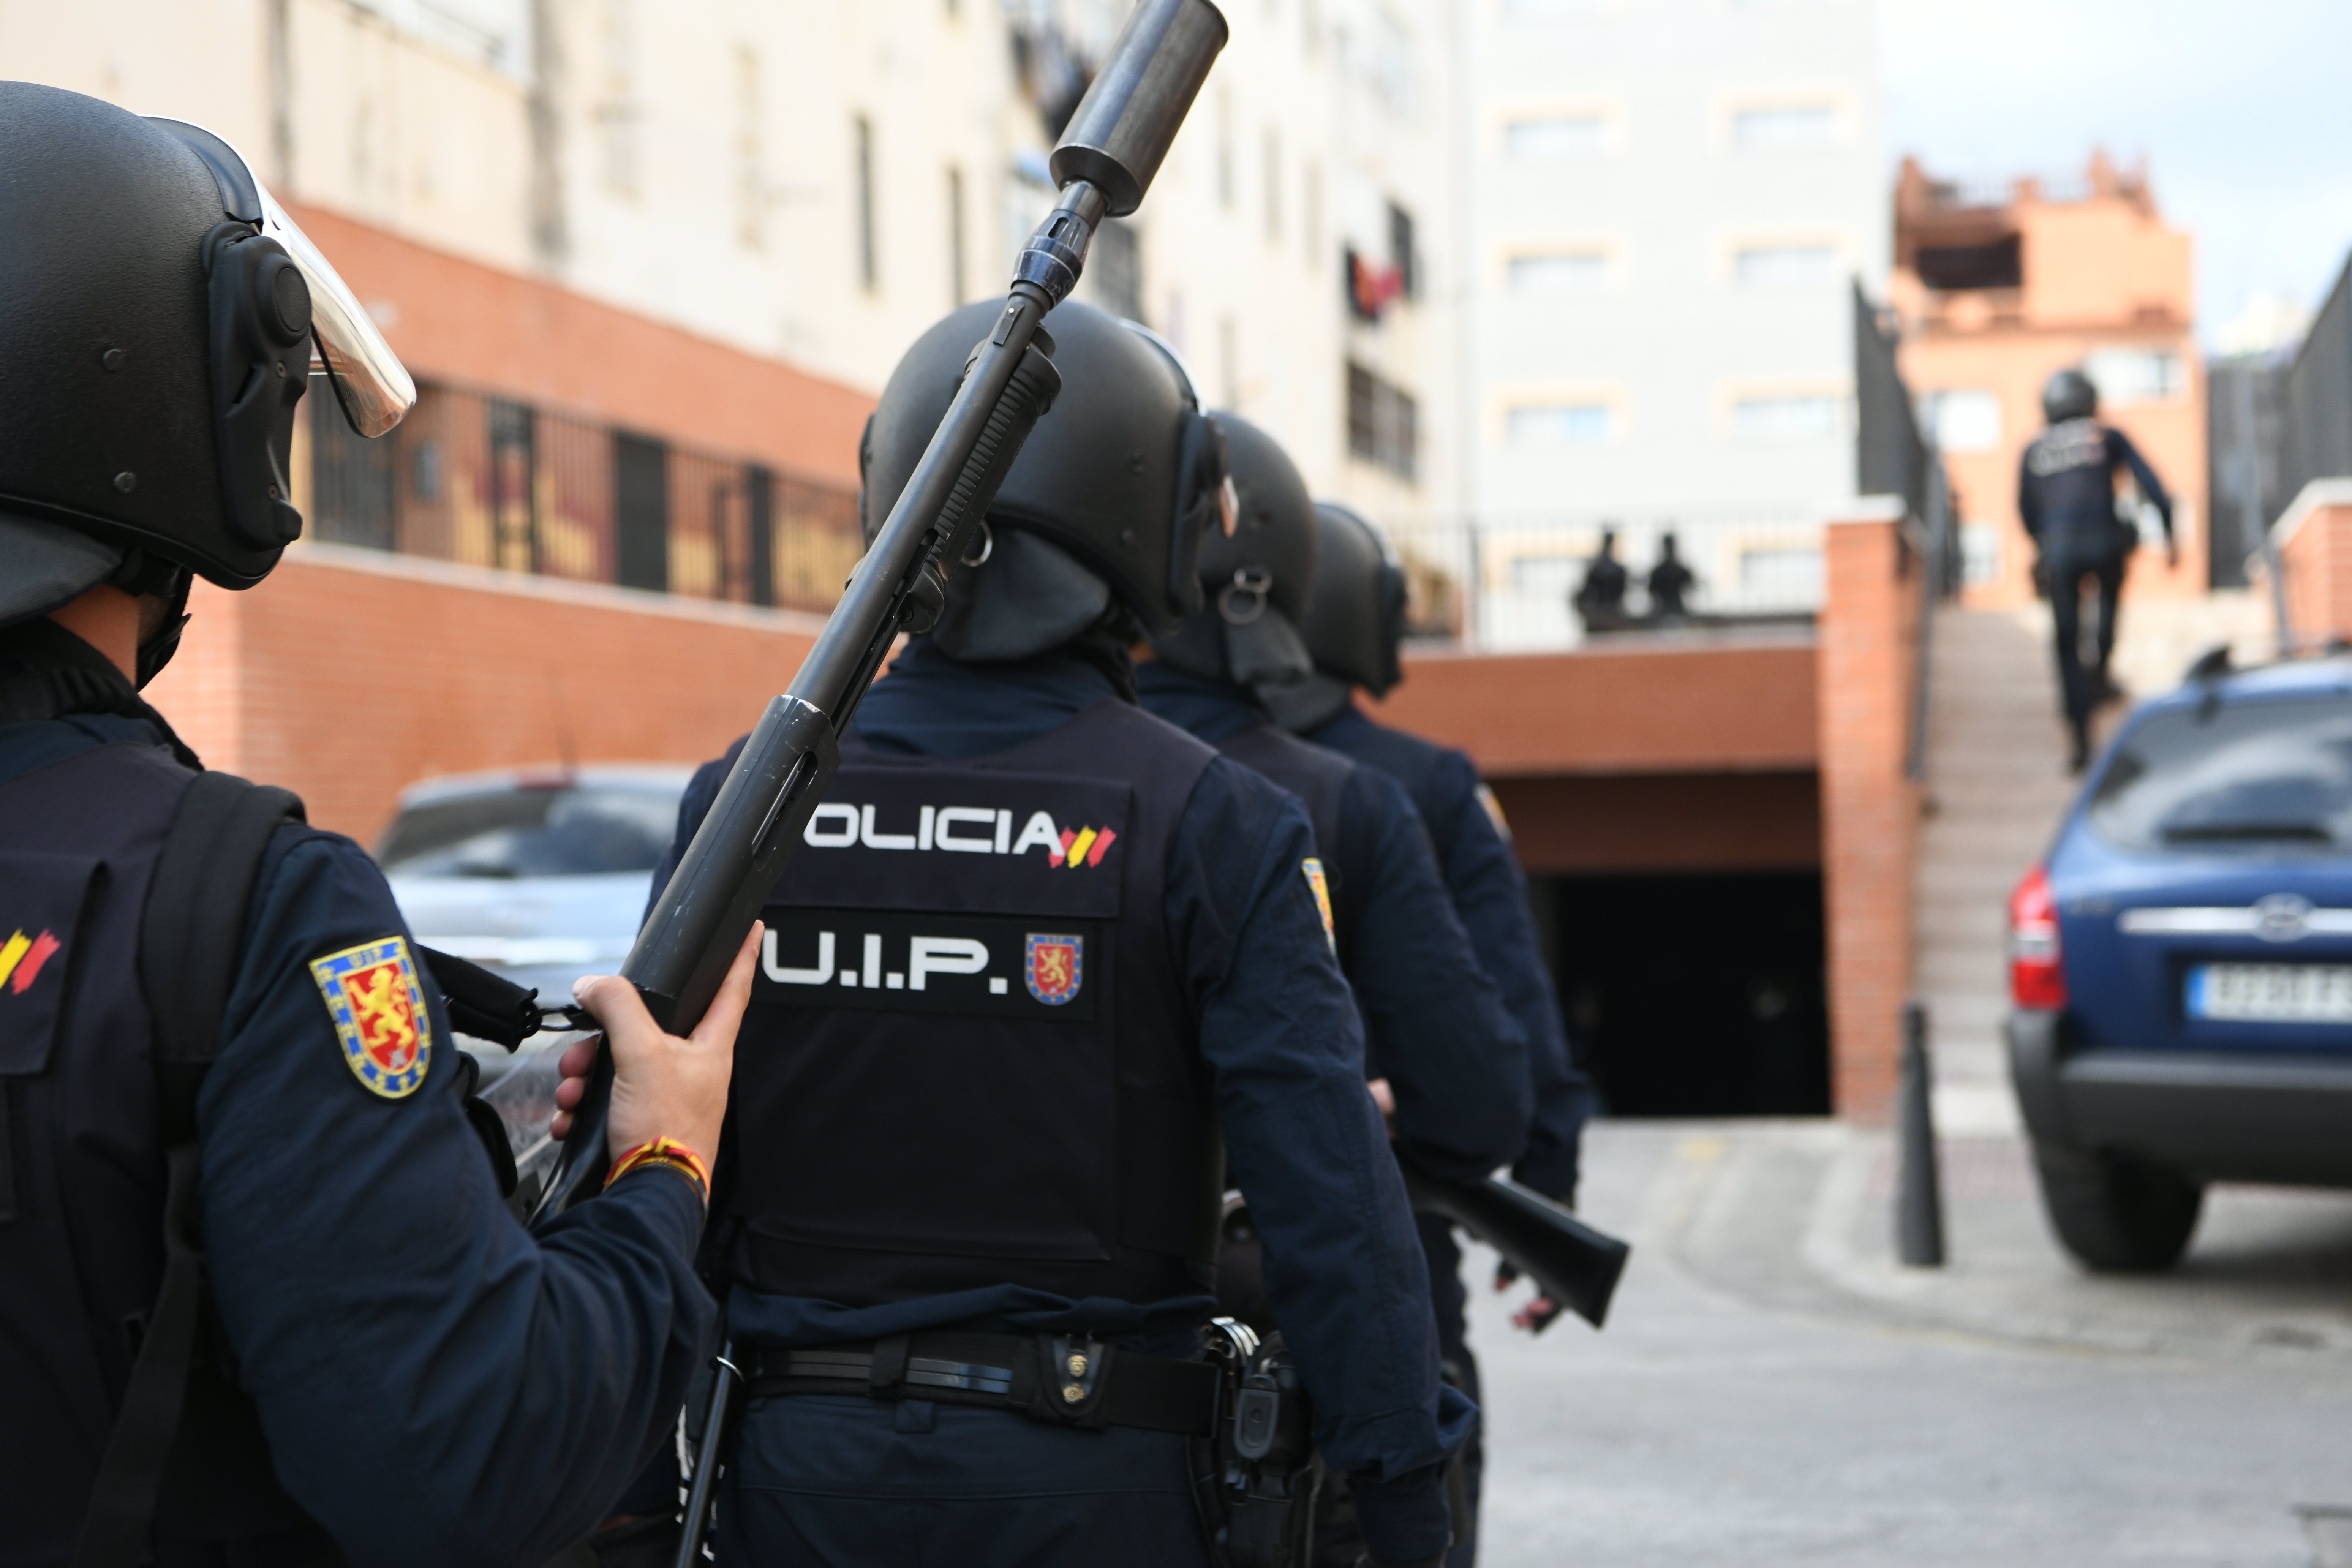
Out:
{"x": 370, "y": 384}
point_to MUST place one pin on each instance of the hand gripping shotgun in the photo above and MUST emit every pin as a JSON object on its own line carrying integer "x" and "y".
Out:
{"x": 1104, "y": 163}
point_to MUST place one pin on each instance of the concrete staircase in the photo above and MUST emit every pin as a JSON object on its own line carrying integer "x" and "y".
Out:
{"x": 1997, "y": 787}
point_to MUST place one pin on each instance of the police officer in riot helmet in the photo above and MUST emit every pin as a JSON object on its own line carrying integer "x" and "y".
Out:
{"x": 2066, "y": 498}
{"x": 1444, "y": 1052}
{"x": 1040, "y": 955}
{"x": 1354, "y": 627}
{"x": 1439, "y": 1043}
{"x": 264, "y": 1300}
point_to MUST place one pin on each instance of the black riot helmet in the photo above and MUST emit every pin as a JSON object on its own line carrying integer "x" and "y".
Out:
{"x": 2069, "y": 394}
{"x": 1104, "y": 509}
{"x": 1256, "y": 580}
{"x": 1355, "y": 616}
{"x": 160, "y": 312}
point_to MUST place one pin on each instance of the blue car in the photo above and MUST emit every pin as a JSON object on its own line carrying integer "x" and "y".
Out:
{"x": 2180, "y": 965}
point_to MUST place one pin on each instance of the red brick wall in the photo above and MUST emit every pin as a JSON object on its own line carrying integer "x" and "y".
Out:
{"x": 1637, "y": 706}
{"x": 1572, "y": 824}
{"x": 349, "y": 675}
{"x": 1869, "y": 811}
{"x": 458, "y": 321}
{"x": 2316, "y": 550}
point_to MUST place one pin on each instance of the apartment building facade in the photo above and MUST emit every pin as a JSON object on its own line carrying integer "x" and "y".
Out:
{"x": 1668, "y": 205}
{"x": 811, "y": 184}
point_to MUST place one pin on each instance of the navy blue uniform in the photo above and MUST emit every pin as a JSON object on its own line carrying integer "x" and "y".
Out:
{"x": 1435, "y": 1021}
{"x": 2066, "y": 498}
{"x": 813, "y": 1473}
{"x": 435, "y": 1384}
{"x": 1491, "y": 895}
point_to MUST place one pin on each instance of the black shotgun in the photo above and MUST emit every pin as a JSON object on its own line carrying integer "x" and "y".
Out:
{"x": 1576, "y": 1264}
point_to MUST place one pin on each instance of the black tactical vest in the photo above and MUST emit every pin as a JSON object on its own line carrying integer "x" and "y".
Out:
{"x": 1319, "y": 778}
{"x": 969, "y": 1058}
{"x": 82, "y": 1177}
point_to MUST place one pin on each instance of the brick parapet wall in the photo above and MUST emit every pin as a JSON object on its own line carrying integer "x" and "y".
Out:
{"x": 1639, "y": 704}
{"x": 1869, "y": 811}
{"x": 2314, "y": 541}
{"x": 349, "y": 675}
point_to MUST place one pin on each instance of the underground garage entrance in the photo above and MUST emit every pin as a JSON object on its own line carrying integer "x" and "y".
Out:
{"x": 1694, "y": 994}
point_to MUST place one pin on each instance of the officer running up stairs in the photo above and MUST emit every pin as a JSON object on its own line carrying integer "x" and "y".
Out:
{"x": 368, "y": 1361}
{"x": 1040, "y": 951}
{"x": 2066, "y": 498}
{"x": 1354, "y": 625}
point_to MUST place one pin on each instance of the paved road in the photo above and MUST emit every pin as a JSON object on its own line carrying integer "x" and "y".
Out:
{"x": 1771, "y": 1389}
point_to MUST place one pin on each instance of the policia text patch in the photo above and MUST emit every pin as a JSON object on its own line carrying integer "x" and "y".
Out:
{"x": 1008, "y": 966}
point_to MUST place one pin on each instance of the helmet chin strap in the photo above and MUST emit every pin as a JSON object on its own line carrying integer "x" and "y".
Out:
{"x": 1020, "y": 597}
{"x": 145, "y": 576}
{"x": 1264, "y": 647}
{"x": 1300, "y": 706}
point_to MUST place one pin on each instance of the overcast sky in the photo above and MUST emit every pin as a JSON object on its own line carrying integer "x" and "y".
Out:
{"x": 2242, "y": 108}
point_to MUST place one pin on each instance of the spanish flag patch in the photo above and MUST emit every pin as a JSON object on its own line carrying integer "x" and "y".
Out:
{"x": 1321, "y": 887}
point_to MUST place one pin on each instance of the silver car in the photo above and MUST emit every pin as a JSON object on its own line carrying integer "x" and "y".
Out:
{"x": 540, "y": 874}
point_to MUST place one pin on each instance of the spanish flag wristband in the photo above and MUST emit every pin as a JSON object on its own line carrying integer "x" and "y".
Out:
{"x": 664, "y": 1152}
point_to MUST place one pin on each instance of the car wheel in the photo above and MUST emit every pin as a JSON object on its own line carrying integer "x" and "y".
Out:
{"x": 2116, "y": 1214}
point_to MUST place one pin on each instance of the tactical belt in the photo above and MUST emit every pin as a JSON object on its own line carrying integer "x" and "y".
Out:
{"x": 1067, "y": 1380}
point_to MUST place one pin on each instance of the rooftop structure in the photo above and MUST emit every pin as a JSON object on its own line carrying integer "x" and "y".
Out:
{"x": 1668, "y": 205}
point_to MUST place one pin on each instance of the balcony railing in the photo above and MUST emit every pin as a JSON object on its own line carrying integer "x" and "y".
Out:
{"x": 484, "y": 481}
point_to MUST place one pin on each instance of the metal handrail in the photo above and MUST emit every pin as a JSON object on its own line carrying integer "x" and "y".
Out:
{"x": 1936, "y": 585}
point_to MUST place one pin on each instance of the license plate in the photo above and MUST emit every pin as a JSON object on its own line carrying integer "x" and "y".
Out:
{"x": 2272, "y": 993}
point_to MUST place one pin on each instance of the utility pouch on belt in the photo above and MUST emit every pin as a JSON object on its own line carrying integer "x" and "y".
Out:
{"x": 1258, "y": 1479}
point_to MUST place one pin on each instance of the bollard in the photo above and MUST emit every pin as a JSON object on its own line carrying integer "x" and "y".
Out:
{"x": 1918, "y": 1194}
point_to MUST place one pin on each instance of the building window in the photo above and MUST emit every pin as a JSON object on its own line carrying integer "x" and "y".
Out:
{"x": 618, "y": 114}
{"x": 2135, "y": 376}
{"x": 1768, "y": 266}
{"x": 513, "y": 494}
{"x": 1404, "y": 252}
{"x": 1558, "y": 270}
{"x": 1548, "y": 138}
{"x": 862, "y": 149}
{"x": 1559, "y": 425}
{"x": 1962, "y": 419}
{"x": 1980, "y": 552}
{"x": 1115, "y": 268}
{"x": 751, "y": 178}
{"x": 1995, "y": 264}
{"x": 352, "y": 479}
{"x": 641, "y": 513}
{"x": 1785, "y": 128}
{"x": 1383, "y": 422}
{"x": 1807, "y": 417}
{"x": 1273, "y": 186}
{"x": 956, "y": 292}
